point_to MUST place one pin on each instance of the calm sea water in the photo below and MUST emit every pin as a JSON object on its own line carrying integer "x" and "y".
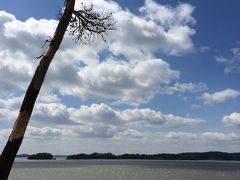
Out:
{"x": 124, "y": 170}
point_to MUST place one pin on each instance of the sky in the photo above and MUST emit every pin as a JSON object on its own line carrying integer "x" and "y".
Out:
{"x": 165, "y": 81}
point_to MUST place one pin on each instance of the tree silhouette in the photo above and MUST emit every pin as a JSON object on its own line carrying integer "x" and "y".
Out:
{"x": 84, "y": 24}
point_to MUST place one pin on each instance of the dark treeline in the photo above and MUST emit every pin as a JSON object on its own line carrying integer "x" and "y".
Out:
{"x": 40, "y": 156}
{"x": 181, "y": 156}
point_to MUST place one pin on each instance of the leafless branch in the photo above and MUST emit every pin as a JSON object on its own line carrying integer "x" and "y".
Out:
{"x": 87, "y": 23}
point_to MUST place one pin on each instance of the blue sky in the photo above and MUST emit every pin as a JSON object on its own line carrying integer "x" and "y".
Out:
{"x": 167, "y": 80}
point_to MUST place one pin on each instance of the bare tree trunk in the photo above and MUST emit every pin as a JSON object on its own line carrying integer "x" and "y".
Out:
{"x": 15, "y": 139}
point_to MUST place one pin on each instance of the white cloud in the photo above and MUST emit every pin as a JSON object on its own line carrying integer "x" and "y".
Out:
{"x": 101, "y": 116}
{"x": 11, "y": 102}
{"x": 221, "y": 59}
{"x": 26, "y": 36}
{"x": 218, "y": 137}
{"x": 51, "y": 113}
{"x": 101, "y": 131}
{"x": 204, "y": 137}
{"x": 168, "y": 31}
{"x": 130, "y": 133}
{"x": 232, "y": 63}
{"x": 134, "y": 81}
{"x": 14, "y": 72}
{"x": 46, "y": 96}
{"x": 104, "y": 122}
{"x": 167, "y": 15}
{"x": 153, "y": 118}
{"x": 47, "y": 109}
{"x": 196, "y": 106}
{"x": 4, "y": 134}
{"x": 91, "y": 120}
{"x": 232, "y": 120}
{"x": 101, "y": 139}
{"x": 20, "y": 44}
{"x": 104, "y": 114}
{"x": 101, "y": 5}
{"x": 45, "y": 132}
{"x": 121, "y": 81}
{"x": 185, "y": 87}
{"x": 7, "y": 115}
{"x": 179, "y": 137}
{"x": 137, "y": 37}
{"x": 204, "y": 49}
{"x": 158, "y": 27}
{"x": 130, "y": 141}
{"x": 78, "y": 71}
{"x": 8, "y": 109}
{"x": 220, "y": 97}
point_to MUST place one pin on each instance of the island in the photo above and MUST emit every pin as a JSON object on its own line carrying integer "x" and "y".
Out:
{"x": 212, "y": 155}
{"x": 40, "y": 156}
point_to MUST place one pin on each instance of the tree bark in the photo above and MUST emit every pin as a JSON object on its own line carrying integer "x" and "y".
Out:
{"x": 15, "y": 139}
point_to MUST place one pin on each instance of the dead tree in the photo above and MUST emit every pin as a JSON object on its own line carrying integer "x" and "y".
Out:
{"x": 84, "y": 24}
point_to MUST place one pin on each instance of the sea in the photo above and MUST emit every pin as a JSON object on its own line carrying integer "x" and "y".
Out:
{"x": 61, "y": 169}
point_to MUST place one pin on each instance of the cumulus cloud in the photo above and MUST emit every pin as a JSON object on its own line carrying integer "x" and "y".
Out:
{"x": 45, "y": 132}
{"x": 130, "y": 133}
{"x": 204, "y": 137}
{"x": 48, "y": 109}
{"x": 102, "y": 131}
{"x": 13, "y": 73}
{"x": 129, "y": 72}
{"x": 126, "y": 141}
{"x": 232, "y": 63}
{"x": 218, "y": 137}
{"x": 51, "y": 113}
{"x": 7, "y": 116}
{"x": 196, "y": 106}
{"x": 169, "y": 31}
{"x": 221, "y": 59}
{"x": 104, "y": 114}
{"x": 185, "y": 87}
{"x": 121, "y": 81}
{"x": 20, "y": 44}
{"x": 28, "y": 35}
{"x": 158, "y": 27}
{"x": 4, "y": 134}
{"x": 220, "y": 97}
{"x": 11, "y": 102}
{"x": 8, "y": 109}
{"x": 97, "y": 120}
{"x": 232, "y": 120}
{"x": 156, "y": 118}
{"x": 208, "y": 138}
{"x": 78, "y": 70}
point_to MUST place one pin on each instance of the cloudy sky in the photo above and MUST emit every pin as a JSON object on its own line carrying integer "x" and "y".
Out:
{"x": 166, "y": 80}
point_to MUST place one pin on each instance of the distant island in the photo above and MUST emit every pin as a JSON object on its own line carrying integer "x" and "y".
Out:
{"x": 40, "y": 156}
{"x": 212, "y": 155}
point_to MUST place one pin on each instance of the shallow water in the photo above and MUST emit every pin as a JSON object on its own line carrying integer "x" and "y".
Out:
{"x": 125, "y": 170}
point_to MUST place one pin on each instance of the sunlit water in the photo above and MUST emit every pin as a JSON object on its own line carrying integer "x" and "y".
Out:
{"x": 124, "y": 170}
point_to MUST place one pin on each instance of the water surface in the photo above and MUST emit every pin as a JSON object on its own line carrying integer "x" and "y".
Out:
{"x": 124, "y": 170}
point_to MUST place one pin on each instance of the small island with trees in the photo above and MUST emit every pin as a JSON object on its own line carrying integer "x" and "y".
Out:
{"x": 41, "y": 156}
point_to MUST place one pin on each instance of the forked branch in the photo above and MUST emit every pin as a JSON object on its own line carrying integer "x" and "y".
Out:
{"x": 87, "y": 23}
